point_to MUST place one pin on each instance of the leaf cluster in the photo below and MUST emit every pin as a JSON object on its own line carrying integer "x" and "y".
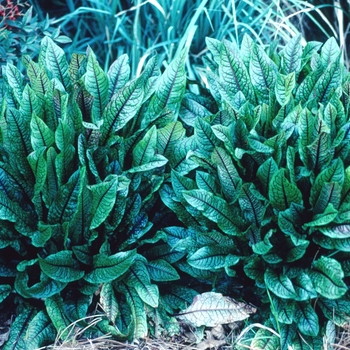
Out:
{"x": 82, "y": 157}
{"x": 113, "y": 187}
{"x": 265, "y": 193}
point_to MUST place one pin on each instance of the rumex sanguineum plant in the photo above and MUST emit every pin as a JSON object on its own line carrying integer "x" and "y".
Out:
{"x": 82, "y": 159}
{"x": 256, "y": 169}
{"x": 265, "y": 194}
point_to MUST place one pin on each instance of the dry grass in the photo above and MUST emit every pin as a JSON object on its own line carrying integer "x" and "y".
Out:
{"x": 183, "y": 342}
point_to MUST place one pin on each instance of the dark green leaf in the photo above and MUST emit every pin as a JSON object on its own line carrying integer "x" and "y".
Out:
{"x": 327, "y": 277}
{"x": 103, "y": 199}
{"x": 56, "y": 311}
{"x": 57, "y": 63}
{"x": 118, "y": 74}
{"x": 109, "y": 302}
{"x": 170, "y": 89}
{"x": 161, "y": 271}
{"x": 96, "y": 83}
{"x": 279, "y": 284}
{"x": 282, "y": 193}
{"x": 138, "y": 278}
{"x": 122, "y": 108}
{"x": 108, "y": 268}
{"x": 40, "y": 331}
{"x": 306, "y": 319}
{"x": 61, "y": 267}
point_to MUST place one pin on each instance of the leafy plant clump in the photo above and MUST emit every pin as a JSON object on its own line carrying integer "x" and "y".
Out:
{"x": 82, "y": 159}
{"x": 112, "y": 188}
{"x": 265, "y": 194}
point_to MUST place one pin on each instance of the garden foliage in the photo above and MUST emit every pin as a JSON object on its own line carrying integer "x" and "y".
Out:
{"x": 119, "y": 193}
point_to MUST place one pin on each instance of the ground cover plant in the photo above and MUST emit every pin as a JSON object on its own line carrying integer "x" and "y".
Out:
{"x": 124, "y": 196}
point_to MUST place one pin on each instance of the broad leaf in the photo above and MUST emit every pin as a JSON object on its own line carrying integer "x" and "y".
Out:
{"x": 61, "y": 267}
{"x": 279, "y": 284}
{"x": 170, "y": 89}
{"x": 327, "y": 277}
{"x": 282, "y": 193}
{"x": 103, "y": 199}
{"x": 96, "y": 83}
{"x": 108, "y": 268}
{"x": 306, "y": 319}
{"x": 211, "y": 309}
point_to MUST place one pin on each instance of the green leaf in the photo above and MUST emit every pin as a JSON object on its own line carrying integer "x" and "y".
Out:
{"x": 263, "y": 73}
{"x": 303, "y": 286}
{"x": 156, "y": 162}
{"x": 108, "y": 301}
{"x": 168, "y": 138}
{"x": 252, "y": 208}
{"x": 16, "y": 340}
{"x": 328, "y": 200}
{"x": 279, "y": 284}
{"x": 5, "y": 291}
{"x": 233, "y": 73}
{"x": 323, "y": 219}
{"x": 65, "y": 204}
{"x": 41, "y": 135}
{"x": 161, "y": 271}
{"x": 122, "y": 108}
{"x": 138, "y": 313}
{"x": 255, "y": 269}
{"x": 139, "y": 279}
{"x": 205, "y": 137}
{"x": 282, "y": 193}
{"x": 210, "y": 257}
{"x": 64, "y": 135}
{"x": 40, "y": 331}
{"x": 287, "y": 334}
{"x": 79, "y": 224}
{"x": 229, "y": 178}
{"x": 215, "y": 209}
{"x": 206, "y": 182}
{"x": 118, "y": 74}
{"x": 265, "y": 340}
{"x": 333, "y": 173}
{"x": 108, "y": 268}
{"x": 57, "y": 63}
{"x": 96, "y": 83}
{"x": 103, "y": 199}
{"x": 265, "y": 173}
{"x": 327, "y": 277}
{"x": 336, "y": 310}
{"x": 181, "y": 183}
{"x": 193, "y": 107}
{"x": 284, "y": 87}
{"x": 30, "y": 103}
{"x": 18, "y": 133}
{"x": 15, "y": 80}
{"x": 285, "y": 309}
{"x": 264, "y": 246}
{"x": 211, "y": 309}
{"x": 61, "y": 267}
{"x": 170, "y": 88}
{"x": 145, "y": 149}
{"x": 56, "y": 311}
{"x": 45, "y": 288}
{"x": 328, "y": 82}
{"x": 330, "y": 52}
{"x": 291, "y": 56}
{"x": 307, "y": 319}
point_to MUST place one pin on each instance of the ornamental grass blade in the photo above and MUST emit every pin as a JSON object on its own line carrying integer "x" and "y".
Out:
{"x": 212, "y": 309}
